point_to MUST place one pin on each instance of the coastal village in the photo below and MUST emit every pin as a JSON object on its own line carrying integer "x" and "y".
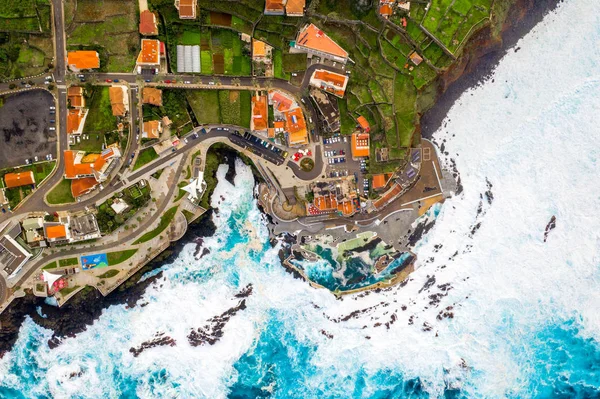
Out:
{"x": 338, "y": 154}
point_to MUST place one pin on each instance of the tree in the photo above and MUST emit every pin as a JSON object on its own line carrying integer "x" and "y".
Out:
{"x": 12, "y": 86}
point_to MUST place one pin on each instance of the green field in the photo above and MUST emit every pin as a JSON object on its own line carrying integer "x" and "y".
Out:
{"x": 230, "y": 107}
{"x": 100, "y": 118}
{"x": 144, "y": 157}
{"x": 452, "y": 21}
{"x": 205, "y": 104}
{"x": 68, "y": 262}
{"x": 175, "y": 107}
{"x": 110, "y": 28}
{"x": 114, "y": 258}
{"x": 61, "y": 193}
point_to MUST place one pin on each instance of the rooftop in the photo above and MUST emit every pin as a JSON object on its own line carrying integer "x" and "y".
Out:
{"x": 153, "y": 96}
{"x": 295, "y": 7}
{"x": 360, "y": 145}
{"x": 274, "y": 6}
{"x": 83, "y": 186}
{"x": 187, "y": 8}
{"x": 148, "y": 24}
{"x": 296, "y": 127}
{"x": 150, "y": 53}
{"x": 259, "y": 48}
{"x": 74, "y": 118}
{"x": 83, "y": 59}
{"x": 313, "y": 38}
{"x": 117, "y": 100}
{"x": 18, "y": 179}
{"x": 331, "y": 82}
{"x": 259, "y": 112}
{"x": 364, "y": 124}
{"x": 151, "y": 130}
{"x": 54, "y": 232}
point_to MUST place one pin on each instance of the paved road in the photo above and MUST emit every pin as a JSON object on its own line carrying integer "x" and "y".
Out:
{"x": 313, "y": 174}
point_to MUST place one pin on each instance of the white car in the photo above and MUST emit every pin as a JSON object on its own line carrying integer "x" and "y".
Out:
{"x": 35, "y": 159}
{"x": 187, "y": 82}
{"x": 211, "y": 83}
{"x": 185, "y": 140}
{"x": 52, "y": 128}
{"x": 52, "y": 108}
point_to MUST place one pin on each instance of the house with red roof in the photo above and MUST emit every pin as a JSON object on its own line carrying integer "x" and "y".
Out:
{"x": 148, "y": 23}
{"x": 313, "y": 40}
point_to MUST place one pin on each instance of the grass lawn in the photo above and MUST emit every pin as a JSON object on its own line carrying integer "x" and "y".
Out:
{"x": 189, "y": 38}
{"x": 145, "y": 156}
{"x": 51, "y": 265}
{"x": 109, "y": 274}
{"x": 61, "y": 193}
{"x": 165, "y": 220}
{"x": 92, "y": 144}
{"x": 68, "y": 262}
{"x": 294, "y": 62}
{"x": 114, "y": 258}
{"x": 68, "y": 290}
{"x": 205, "y": 104}
{"x": 278, "y": 64}
{"x": 188, "y": 215}
{"x": 405, "y": 96}
{"x": 100, "y": 118}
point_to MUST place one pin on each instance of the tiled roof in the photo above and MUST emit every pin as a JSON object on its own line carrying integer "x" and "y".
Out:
{"x": 82, "y": 186}
{"x": 295, "y": 7}
{"x": 296, "y": 127}
{"x": 153, "y": 96}
{"x": 282, "y": 103}
{"x": 74, "y": 117}
{"x": 385, "y": 10}
{"x": 415, "y": 58}
{"x": 274, "y": 6}
{"x": 18, "y": 179}
{"x": 117, "y": 100}
{"x": 259, "y": 112}
{"x": 314, "y": 38}
{"x": 83, "y": 59}
{"x": 378, "y": 181}
{"x": 72, "y": 169}
{"x": 360, "y": 145}
{"x": 364, "y": 124}
{"x": 75, "y": 96}
{"x": 58, "y": 231}
{"x": 148, "y": 24}
{"x": 330, "y": 81}
{"x": 259, "y": 48}
{"x": 151, "y": 129}
{"x": 187, "y": 8}
{"x": 150, "y": 52}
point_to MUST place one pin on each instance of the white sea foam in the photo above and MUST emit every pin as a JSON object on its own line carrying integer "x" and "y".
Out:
{"x": 532, "y": 133}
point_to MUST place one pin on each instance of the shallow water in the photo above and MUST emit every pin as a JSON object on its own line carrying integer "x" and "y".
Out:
{"x": 495, "y": 312}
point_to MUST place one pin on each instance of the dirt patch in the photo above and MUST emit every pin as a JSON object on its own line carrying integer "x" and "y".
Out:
{"x": 218, "y": 64}
{"x": 204, "y": 43}
{"x": 218, "y": 18}
{"x": 233, "y": 96}
{"x": 24, "y": 122}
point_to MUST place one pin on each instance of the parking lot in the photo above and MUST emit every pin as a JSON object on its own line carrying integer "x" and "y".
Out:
{"x": 338, "y": 158}
{"x": 26, "y": 129}
{"x": 260, "y": 147}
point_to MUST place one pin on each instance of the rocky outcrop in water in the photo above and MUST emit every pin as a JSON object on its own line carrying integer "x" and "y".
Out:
{"x": 160, "y": 339}
{"x": 549, "y": 227}
{"x": 212, "y": 332}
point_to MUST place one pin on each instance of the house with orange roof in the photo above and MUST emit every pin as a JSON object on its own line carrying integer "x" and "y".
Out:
{"x": 75, "y": 96}
{"x": 83, "y": 186}
{"x": 364, "y": 124}
{"x": 260, "y": 117}
{"x": 148, "y": 23}
{"x": 280, "y": 101}
{"x": 56, "y": 232}
{"x": 119, "y": 101}
{"x": 313, "y": 40}
{"x": 296, "y": 128}
{"x": 19, "y": 179}
{"x": 186, "y": 8}
{"x": 330, "y": 82}
{"x": 295, "y": 8}
{"x": 415, "y": 58}
{"x": 274, "y": 7}
{"x": 261, "y": 51}
{"x": 149, "y": 57}
{"x": 385, "y": 10}
{"x": 83, "y": 59}
{"x": 99, "y": 169}
{"x": 151, "y": 129}
{"x": 379, "y": 182}
{"x": 76, "y": 120}
{"x": 360, "y": 145}
{"x": 152, "y": 96}
{"x": 338, "y": 196}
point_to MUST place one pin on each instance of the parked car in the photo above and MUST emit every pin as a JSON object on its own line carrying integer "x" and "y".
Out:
{"x": 167, "y": 81}
{"x": 27, "y": 161}
{"x": 185, "y": 140}
{"x": 52, "y": 128}
{"x": 116, "y": 81}
{"x": 108, "y": 81}
{"x": 52, "y": 121}
{"x": 147, "y": 80}
{"x": 35, "y": 159}
{"x": 81, "y": 76}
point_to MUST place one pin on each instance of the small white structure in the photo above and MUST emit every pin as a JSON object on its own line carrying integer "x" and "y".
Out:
{"x": 119, "y": 206}
{"x": 51, "y": 278}
{"x": 196, "y": 188}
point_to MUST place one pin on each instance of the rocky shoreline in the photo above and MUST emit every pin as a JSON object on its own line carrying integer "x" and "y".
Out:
{"x": 482, "y": 54}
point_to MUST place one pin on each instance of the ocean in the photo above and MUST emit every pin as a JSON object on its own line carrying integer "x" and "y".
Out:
{"x": 492, "y": 311}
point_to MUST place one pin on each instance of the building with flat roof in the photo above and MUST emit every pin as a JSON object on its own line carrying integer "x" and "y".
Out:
{"x": 260, "y": 117}
{"x": 314, "y": 41}
{"x": 328, "y": 109}
{"x": 360, "y": 145}
{"x": 148, "y": 23}
{"x": 188, "y": 59}
{"x": 56, "y": 232}
{"x": 149, "y": 57}
{"x": 83, "y": 59}
{"x": 119, "y": 206}
{"x": 330, "y": 82}
{"x": 295, "y": 125}
{"x": 151, "y": 129}
{"x": 84, "y": 227}
{"x": 186, "y": 8}
{"x": 18, "y": 179}
{"x": 32, "y": 223}
{"x": 119, "y": 100}
{"x": 12, "y": 255}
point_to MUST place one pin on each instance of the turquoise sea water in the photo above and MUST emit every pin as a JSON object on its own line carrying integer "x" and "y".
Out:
{"x": 492, "y": 311}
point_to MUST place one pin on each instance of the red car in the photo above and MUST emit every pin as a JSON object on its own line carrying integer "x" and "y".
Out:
{"x": 167, "y": 81}
{"x": 108, "y": 81}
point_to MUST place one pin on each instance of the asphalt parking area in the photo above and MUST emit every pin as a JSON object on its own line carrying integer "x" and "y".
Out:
{"x": 25, "y": 128}
{"x": 349, "y": 167}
